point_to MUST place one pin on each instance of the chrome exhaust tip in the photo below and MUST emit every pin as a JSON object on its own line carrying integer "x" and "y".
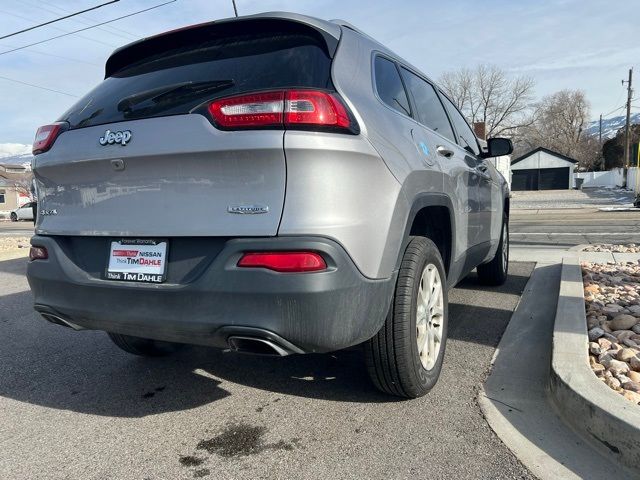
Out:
{"x": 256, "y": 346}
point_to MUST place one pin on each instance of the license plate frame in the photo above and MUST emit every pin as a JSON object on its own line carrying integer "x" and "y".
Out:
{"x": 124, "y": 266}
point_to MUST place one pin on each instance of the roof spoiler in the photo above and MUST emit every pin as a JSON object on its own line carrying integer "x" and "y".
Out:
{"x": 140, "y": 49}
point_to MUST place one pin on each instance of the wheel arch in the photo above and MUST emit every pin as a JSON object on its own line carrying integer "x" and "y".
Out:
{"x": 431, "y": 215}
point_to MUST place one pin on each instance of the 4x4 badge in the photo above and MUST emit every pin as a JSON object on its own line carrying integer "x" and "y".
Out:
{"x": 110, "y": 137}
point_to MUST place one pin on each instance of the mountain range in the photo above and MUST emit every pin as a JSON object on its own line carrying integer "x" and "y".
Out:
{"x": 610, "y": 126}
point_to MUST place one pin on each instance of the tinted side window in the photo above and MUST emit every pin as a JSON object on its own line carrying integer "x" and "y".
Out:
{"x": 466, "y": 137}
{"x": 389, "y": 86}
{"x": 430, "y": 111}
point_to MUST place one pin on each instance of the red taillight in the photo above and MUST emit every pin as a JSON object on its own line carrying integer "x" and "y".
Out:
{"x": 255, "y": 110}
{"x": 46, "y": 135}
{"x": 38, "y": 253}
{"x": 284, "y": 261}
{"x": 310, "y": 107}
{"x": 285, "y": 109}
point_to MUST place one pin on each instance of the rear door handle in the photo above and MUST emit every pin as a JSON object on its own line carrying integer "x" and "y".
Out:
{"x": 444, "y": 151}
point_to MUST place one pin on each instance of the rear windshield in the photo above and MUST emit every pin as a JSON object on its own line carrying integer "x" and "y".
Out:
{"x": 180, "y": 77}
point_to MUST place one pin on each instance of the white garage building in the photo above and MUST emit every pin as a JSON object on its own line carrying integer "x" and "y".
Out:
{"x": 542, "y": 169}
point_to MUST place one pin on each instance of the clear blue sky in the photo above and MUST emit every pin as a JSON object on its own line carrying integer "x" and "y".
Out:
{"x": 584, "y": 44}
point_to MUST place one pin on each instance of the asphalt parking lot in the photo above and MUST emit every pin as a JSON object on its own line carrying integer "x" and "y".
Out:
{"x": 74, "y": 406}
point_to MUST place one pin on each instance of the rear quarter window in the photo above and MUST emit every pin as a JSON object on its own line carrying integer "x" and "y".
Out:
{"x": 389, "y": 85}
{"x": 251, "y": 56}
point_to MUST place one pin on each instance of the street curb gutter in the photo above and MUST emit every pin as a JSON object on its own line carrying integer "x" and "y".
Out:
{"x": 610, "y": 422}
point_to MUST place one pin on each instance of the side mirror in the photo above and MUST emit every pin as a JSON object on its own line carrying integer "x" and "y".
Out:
{"x": 497, "y": 147}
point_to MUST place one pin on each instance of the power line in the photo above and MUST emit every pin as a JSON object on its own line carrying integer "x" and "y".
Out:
{"x": 37, "y": 86}
{"x": 60, "y": 29}
{"x": 83, "y": 19}
{"x": 87, "y": 28}
{"x": 48, "y": 54}
{"x": 613, "y": 111}
{"x": 58, "y": 19}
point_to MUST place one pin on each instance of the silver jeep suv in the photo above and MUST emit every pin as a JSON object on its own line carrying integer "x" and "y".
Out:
{"x": 271, "y": 184}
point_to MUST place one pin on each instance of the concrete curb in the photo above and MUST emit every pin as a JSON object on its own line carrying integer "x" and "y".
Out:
{"x": 604, "y": 418}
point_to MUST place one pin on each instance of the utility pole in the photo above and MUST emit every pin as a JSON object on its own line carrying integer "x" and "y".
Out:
{"x": 600, "y": 156}
{"x": 235, "y": 9}
{"x": 626, "y": 127}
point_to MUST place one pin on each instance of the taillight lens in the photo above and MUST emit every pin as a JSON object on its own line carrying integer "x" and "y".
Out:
{"x": 284, "y": 261}
{"x": 283, "y": 109}
{"x": 46, "y": 135}
{"x": 245, "y": 111}
{"x": 38, "y": 253}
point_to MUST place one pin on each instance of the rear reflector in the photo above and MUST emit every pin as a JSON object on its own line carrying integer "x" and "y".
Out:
{"x": 287, "y": 108}
{"x": 46, "y": 135}
{"x": 38, "y": 253}
{"x": 284, "y": 261}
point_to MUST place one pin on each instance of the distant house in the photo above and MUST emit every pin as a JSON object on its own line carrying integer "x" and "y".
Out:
{"x": 14, "y": 186}
{"x": 542, "y": 169}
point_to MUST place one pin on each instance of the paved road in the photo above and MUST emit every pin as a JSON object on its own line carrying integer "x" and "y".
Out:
{"x": 22, "y": 229}
{"x": 557, "y": 228}
{"x": 74, "y": 406}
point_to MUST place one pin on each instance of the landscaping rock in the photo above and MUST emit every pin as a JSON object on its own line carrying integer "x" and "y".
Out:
{"x": 623, "y": 379}
{"x": 612, "y": 306}
{"x": 631, "y": 386}
{"x": 604, "y": 343}
{"x": 633, "y": 376}
{"x": 635, "y": 363}
{"x": 626, "y": 354}
{"x": 622, "y": 334}
{"x": 595, "y": 333}
{"x": 612, "y": 383}
{"x": 616, "y": 367}
{"x": 606, "y": 358}
{"x": 623, "y": 322}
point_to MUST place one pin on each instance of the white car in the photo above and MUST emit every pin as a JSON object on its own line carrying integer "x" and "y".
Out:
{"x": 25, "y": 212}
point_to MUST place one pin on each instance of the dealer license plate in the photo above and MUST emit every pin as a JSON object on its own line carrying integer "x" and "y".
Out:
{"x": 137, "y": 260}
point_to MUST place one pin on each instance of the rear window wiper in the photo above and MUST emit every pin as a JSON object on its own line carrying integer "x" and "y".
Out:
{"x": 183, "y": 89}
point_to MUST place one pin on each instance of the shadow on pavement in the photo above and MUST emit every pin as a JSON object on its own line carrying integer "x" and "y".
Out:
{"x": 52, "y": 366}
{"x": 16, "y": 266}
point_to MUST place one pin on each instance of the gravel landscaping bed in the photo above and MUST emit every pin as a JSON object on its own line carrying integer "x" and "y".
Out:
{"x": 612, "y": 299}
{"x": 8, "y": 244}
{"x": 611, "y": 248}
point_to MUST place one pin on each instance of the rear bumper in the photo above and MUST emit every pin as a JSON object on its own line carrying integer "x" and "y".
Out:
{"x": 308, "y": 312}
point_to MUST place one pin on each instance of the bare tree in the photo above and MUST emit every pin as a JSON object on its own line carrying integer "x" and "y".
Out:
{"x": 487, "y": 94}
{"x": 559, "y": 124}
{"x": 18, "y": 182}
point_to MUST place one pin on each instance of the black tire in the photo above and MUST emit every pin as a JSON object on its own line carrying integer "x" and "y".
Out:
{"x": 145, "y": 347}
{"x": 14, "y": 217}
{"x": 495, "y": 272}
{"x": 392, "y": 356}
